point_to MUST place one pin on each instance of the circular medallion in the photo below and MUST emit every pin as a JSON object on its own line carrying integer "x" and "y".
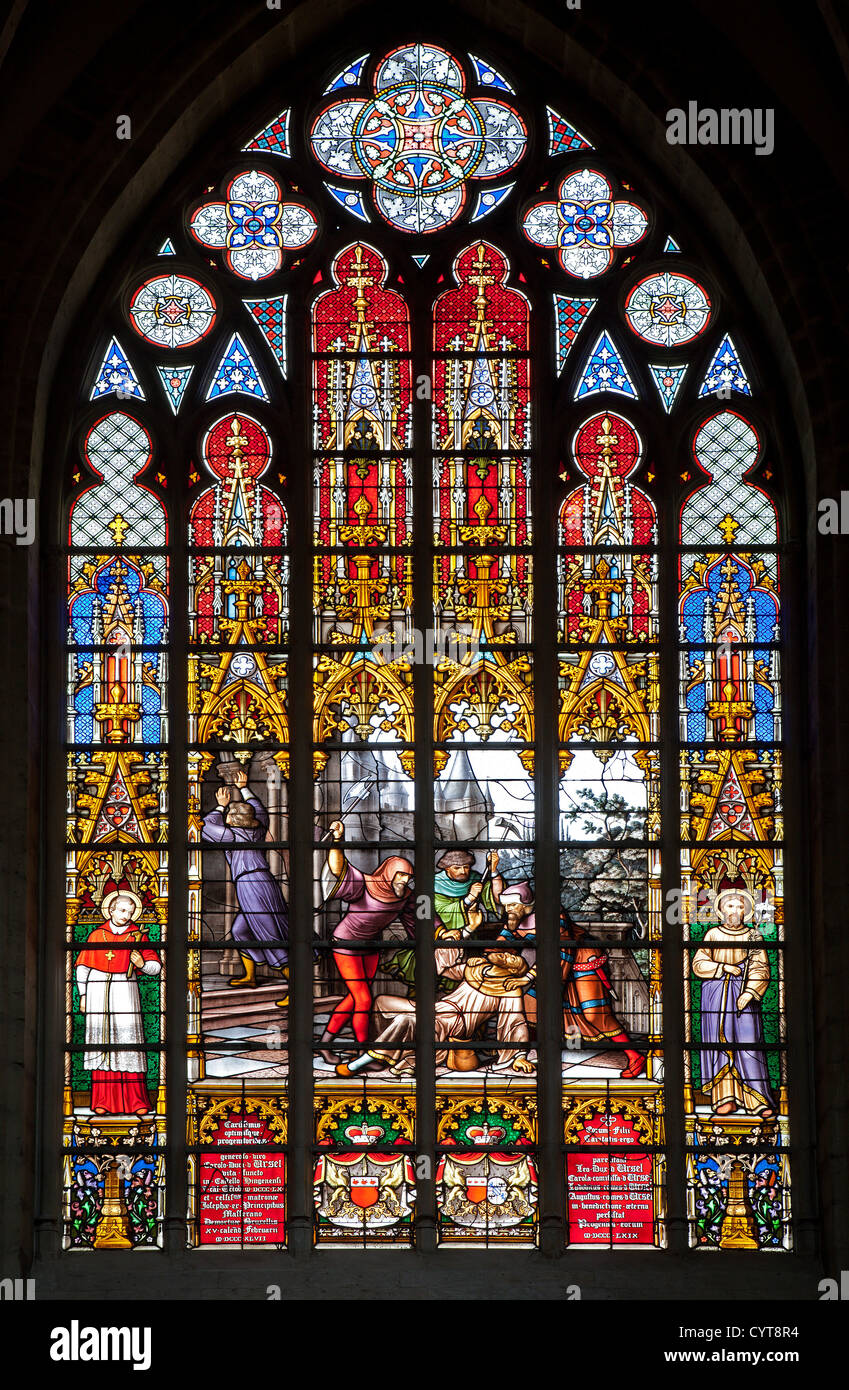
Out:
{"x": 418, "y": 138}
{"x": 667, "y": 309}
{"x": 172, "y": 311}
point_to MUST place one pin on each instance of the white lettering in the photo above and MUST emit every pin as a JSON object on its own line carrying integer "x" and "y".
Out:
{"x": 77, "y": 1343}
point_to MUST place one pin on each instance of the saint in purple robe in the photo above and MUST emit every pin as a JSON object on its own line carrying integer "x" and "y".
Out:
{"x": 732, "y": 1063}
{"x": 730, "y": 962}
{"x": 263, "y": 915}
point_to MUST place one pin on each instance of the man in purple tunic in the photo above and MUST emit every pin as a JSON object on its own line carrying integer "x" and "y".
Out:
{"x": 375, "y": 901}
{"x": 734, "y": 970}
{"x": 261, "y": 926}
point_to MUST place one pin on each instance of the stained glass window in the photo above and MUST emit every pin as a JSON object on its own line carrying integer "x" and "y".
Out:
{"x": 732, "y": 862}
{"x": 364, "y": 756}
{"x": 418, "y": 137}
{"x": 238, "y": 751}
{"x": 611, "y": 921}
{"x": 117, "y": 863}
{"x": 426, "y": 642}
{"x": 484, "y": 804}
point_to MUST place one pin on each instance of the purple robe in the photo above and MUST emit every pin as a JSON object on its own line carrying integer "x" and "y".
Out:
{"x": 263, "y": 914}
{"x": 731, "y": 1037}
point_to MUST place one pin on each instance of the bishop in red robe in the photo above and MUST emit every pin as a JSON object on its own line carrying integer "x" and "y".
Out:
{"x": 106, "y": 974}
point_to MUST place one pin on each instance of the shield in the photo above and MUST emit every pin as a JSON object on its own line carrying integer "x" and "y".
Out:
{"x": 496, "y": 1191}
{"x": 364, "y": 1191}
{"x": 476, "y": 1187}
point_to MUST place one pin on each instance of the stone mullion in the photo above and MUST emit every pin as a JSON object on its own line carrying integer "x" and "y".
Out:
{"x": 176, "y": 950}
{"x": 544, "y": 469}
{"x": 671, "y": 948}
{"x": 423, "y": 694}
{"x": 298, "y": 467}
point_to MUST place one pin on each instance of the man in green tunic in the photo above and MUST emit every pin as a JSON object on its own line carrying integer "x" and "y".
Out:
{"x": 462, "y": 901}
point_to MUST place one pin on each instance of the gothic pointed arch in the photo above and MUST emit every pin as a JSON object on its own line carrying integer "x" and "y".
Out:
{"x": 443, "y": 583}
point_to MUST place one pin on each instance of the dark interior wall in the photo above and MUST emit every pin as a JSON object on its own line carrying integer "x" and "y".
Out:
{"x": 71, "y": 196}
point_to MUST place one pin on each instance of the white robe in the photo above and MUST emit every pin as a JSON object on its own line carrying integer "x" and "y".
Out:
{"x": 460, "y": 1014}
{"x": 114, "y": 1032}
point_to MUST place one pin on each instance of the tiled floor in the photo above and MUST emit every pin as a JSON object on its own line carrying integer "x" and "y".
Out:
{"x": 577, "y": 1066}
{"x": 260, "y": 1052}
{"x": 256, "y": 1050}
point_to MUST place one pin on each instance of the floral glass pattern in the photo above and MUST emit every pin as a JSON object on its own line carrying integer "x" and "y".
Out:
{"x": 254, "y": 226}
{"x": 667, "y": 309}
{"x": 173, "y": 311}
{"x": 419, "y": 138}
{"x": 586, "y": 224}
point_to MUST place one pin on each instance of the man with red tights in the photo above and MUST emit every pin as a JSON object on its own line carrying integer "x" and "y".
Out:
{"x": 375, "y": 901}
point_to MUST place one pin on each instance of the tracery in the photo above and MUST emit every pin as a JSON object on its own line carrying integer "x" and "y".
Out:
{"x": 423, "y": 140}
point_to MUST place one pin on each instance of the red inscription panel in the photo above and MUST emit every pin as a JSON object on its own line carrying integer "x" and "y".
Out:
{"x": 242, "y": 1195}
{"x": 610, "y": 1196}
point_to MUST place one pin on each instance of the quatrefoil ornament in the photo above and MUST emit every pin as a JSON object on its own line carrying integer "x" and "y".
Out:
{"x": 419, "y": 139}
{"x": 253, "y": 225}
{"x": 586, "y": 224}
